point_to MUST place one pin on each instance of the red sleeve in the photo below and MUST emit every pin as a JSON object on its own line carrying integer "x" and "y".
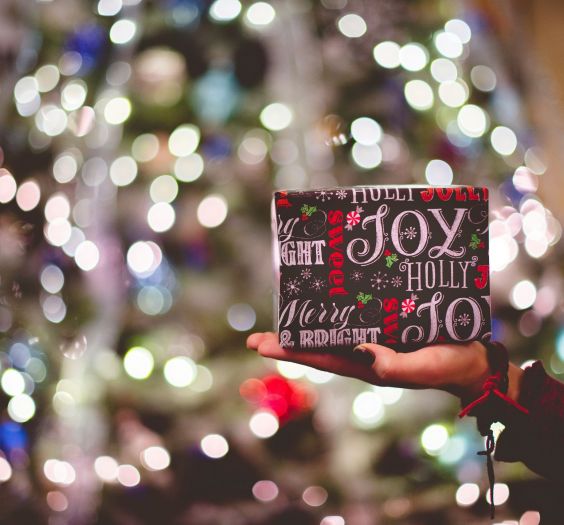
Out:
{"x": 537, "y": 439}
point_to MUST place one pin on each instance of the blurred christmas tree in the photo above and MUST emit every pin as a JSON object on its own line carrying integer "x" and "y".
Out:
{"x": 140, "y": 143}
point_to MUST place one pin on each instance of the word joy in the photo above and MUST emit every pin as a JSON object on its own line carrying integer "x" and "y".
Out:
{"x": 364, "y": 252}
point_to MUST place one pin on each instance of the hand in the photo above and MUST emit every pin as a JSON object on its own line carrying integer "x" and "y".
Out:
{"x": 459, "y": 369}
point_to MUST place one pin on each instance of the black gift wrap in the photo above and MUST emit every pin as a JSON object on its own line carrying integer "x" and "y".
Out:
{"x": 402, "y": 266}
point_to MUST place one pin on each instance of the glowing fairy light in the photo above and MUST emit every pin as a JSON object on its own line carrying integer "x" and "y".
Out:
{"x": 472, "y": 120}
{"x": 106, "y": 468}
{"x": 276, "y": 116}
{"x": 123, "y": 170}
{"x": 263, "y": 424}
{"x": 352, "y": 25}
{"x": 184, "y": 140}
{"x": 467, "y": 494}
{"x": 503, "y": 140}
{"x": 214, "y": 446}
{"x": 265, "y": 490}
{"x": 434, "y": 438}
{"x": 117, "y": 110}
{"x": 212, "y": 211}
{"x": 87, "y": 256}
{"x": 21, "y": 408}
{"x": 155, "y": 458}
{"x": 413, "y": 57}
{"x": 260, "y": 14}
{"x": 161, "y": 217}
{"x": 419, "y": 95}
{"x": 128, "y": 475}
{"x": 387, "y": 54}
{"x": 138, "y": 362}
{"x": 180, "y": 371}
{"x": 123, "y": 31}
{"x": 225, "y": 10}
{"x": 438, "y": 173}
{"x": 523, "y": 295}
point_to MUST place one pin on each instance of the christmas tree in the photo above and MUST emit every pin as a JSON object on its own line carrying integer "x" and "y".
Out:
{"x": 140, "y": 145}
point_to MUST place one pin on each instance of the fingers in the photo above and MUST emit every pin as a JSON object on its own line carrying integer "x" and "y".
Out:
{"x": 254, "y": 340}
{"x": 267, "y": 345}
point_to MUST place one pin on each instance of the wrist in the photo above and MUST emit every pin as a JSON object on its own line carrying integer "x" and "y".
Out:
{"x": 515, "y": 376}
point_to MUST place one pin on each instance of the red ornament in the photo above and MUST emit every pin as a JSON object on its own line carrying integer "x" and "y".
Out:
{"x": 304, "y": 217}
{"x": 360, "y": 304}
{"x": 387, "y": 252}
{"x": 287, "y": 399}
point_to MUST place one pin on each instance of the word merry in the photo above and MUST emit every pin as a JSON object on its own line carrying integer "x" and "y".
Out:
{"x": 435, "y": 274}
{"x": 306, "y": 313}
{"x": 360, "y": 251}
{"x": 349, "y": 337}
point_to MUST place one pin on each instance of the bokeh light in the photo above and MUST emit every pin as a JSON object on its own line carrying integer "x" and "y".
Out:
{"x": 138, "y": 362}
{"x": 214, "y": 446}
{"x": 155, "y": 458}
{"x": 180, "y": 371}
{"x": 212, "y": 211}
{"x": 276, "y": 116}
{"x": 265, "y": 490}
{"x": 352, "y": 25}
{"x": 264, "y": 424}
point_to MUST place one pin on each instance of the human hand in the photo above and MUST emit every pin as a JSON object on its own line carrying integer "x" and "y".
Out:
{"x": 460, "y": 369}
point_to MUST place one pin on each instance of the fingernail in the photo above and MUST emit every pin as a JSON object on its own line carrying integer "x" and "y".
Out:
{"x": 363, "y": 355}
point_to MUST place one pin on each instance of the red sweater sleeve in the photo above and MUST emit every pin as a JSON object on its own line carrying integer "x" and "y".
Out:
{"x": 536, "y": 439}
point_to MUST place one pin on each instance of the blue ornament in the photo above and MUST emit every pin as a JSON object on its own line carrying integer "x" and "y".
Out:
{"x": 13, "y": 436}
{"x": 185, "y": 12}
{"x": 88, "y": 41}
{"x": 217, "y": 147}
{"x": 215, "y": 96}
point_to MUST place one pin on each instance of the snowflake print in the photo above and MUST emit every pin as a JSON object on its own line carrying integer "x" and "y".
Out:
{"x": 379, "y": 280}
{"x": 317, "y": 284}
{"x": 396, "y": 281}
{"x": 357, "y": 276}
{"x": 306, "y": 273}
{"x": 410, "y": 233}
{"x": 324, "y": 195}
{"x": 293, "y": 287}
{"x": 463, "y": 320}
{"x": 341, "y": 194}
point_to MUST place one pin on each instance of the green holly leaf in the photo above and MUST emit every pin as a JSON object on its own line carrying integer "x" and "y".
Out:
{"x": 391, "y": 259}
{"x": 364, "y": 297}
{"x": 304, "y": 208}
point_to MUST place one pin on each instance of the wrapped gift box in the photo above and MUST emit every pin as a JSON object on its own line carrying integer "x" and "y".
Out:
{"x": 402, "y": 266}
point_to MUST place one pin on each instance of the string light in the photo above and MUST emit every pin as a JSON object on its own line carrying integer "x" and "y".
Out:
{"x": 225, "y": 10}
{"x": 413, "y": 57}
{"x": 260, "y": 14}
{"x": 123, "y": 31}
{"x": 138, "y": 362}
{"x": 352, "y": 25}
{"x": 180, "y": 371}
{"x": 212, "y": 211}
{"x": 434, "y": 438}
{"x": 214, "y": 446}
{"x": 419, "y": 95}
{"x": 387, "y": 54}
{"x": 276, "y": 116}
